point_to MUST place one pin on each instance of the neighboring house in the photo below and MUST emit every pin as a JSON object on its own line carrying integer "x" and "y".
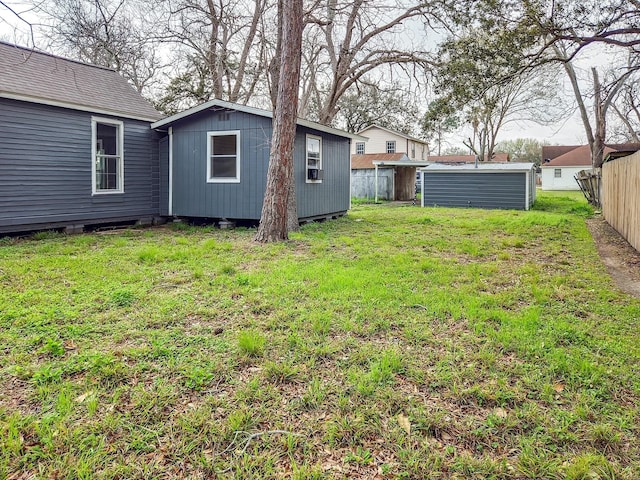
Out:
{"x": 214, "y": 160}
{"x": 561, "y": 163}
{"x": 558, "y": 172}
{"x": 488, "y": 185}
{"x": 384, "y": 140}
{"x": 76, "y": 147}
{"x": 385, "y": 166}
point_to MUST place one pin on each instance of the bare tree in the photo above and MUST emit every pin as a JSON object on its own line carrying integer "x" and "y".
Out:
{"x": 111, "y": 33}
{"x": 603, "y": 96}
{"x": 359, "y": 37}
{"x": 226, "y": 37}
{"x": 280, "y": 176}
{"x": 627, "y": 110}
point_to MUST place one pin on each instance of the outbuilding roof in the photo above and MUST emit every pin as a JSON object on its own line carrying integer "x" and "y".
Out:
{"x": 366, "y": 160}
{"x": 32, "y": 76}
{"x": 481, "y": 168}
{"x": 217, "y": 104}
{"x": 498, "y": 157}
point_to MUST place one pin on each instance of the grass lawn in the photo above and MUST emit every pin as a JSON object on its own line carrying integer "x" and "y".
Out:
{"x": 396, "y": 342}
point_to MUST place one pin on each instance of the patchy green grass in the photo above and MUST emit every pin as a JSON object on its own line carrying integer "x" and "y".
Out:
{"x": 402, "y": 342}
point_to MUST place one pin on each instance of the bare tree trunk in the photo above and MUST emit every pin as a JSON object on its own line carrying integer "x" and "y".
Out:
{"x": 597, "y": 149}
{"x": 274, "y": 218}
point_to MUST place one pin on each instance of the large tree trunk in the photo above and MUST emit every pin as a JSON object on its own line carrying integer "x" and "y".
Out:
{"x": 274, "y": 219}
{"x": 597, "y": 148}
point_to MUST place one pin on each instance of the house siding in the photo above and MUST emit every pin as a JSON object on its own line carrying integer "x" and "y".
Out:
{"x": 377, "y": 143}
{"x": 565, "y": 182}
{"x": 193, "y": 196}
{"x": 45, "y": 169}
{"x": 500, "y": 190}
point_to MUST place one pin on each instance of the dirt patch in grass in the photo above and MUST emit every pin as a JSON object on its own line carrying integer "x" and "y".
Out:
{"x": 620, "y": 258}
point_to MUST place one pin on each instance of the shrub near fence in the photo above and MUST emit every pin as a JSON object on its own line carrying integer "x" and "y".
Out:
{"x": 621, "y": 196}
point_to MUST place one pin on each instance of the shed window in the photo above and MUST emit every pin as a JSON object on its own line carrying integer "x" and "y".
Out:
{"x": 557, "y": 172}
{"x": 108, "y": 159}
{"x": 391, "y": 146}
{"x": 359, "y": 148}
{"x": 314, "y": 159}
{"x": 223, "y": 157}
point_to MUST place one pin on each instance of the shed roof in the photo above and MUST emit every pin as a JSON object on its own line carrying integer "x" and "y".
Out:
{"x": 498, "y": 157}
{"x": 38, "y": 77}
{"x": 400, "y": 134}
{"x": 366, "y": 160}
{"x": 217, "y": 104}
{"x": 481, "y": 168}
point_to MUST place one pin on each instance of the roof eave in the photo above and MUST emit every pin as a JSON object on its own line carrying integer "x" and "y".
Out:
{"x": 73, "y": 106}
{"x": 252, "y": 110}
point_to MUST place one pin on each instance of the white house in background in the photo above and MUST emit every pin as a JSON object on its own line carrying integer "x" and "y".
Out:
{"x": 384, "y": 140}
{"x": 561, "y": 163}
{"x": 559, "y": 173}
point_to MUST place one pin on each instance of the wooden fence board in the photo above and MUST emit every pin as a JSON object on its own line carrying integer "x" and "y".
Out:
{"x": 621, "y": 196}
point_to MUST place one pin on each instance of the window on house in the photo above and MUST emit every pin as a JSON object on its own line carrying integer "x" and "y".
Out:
{"x": 391, "y": 146}
{"x": 413, "y": 151}
{"x": 557, "y": 172}
{"x": 223, "y": 157}
{"x": 314, "y": 159}
{"x": 108, "y": 159}
{"x": 359, "y": 148}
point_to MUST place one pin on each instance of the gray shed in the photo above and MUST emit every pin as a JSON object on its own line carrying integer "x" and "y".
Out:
{"x": 76, "y": 147}
{"x": 493, "y": 185}
{"x": 214, "y": 160}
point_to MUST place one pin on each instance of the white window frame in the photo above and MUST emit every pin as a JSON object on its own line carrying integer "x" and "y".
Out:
{"x": 391, "y": 143}
{"x": 306, "y": 158}
{"x": 360, "y": 146}
{"x": 210, "y": 135}
{"x": 94, "y": 154}
{"x": 557, "y": 173}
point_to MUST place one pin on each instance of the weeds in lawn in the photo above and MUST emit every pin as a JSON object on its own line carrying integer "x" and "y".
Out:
{"x": 391, "y": 343}
{"x": 251, "y": 343}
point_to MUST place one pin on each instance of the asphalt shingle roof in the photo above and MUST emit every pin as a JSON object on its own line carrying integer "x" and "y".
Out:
{"x": 38, "y": 77}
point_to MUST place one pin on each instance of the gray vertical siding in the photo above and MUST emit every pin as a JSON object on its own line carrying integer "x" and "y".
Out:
{"x": 45, "y": 169}
{"x": 363, "y": 183}
{"x": 194, "y": 197}
{"x": 470, "y": 189}
{"x": 163, "y": 153}
{"x": 333, "y": 194}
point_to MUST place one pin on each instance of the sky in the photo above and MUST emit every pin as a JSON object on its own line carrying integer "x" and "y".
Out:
{"x": 568, "y": 131}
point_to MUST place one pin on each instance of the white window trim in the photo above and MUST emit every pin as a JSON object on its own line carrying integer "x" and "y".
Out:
{"x": 94, "y": 132}
{"x": 358, "y": 144}
{"x": 210, "y": 135}
{"x": 306, "y": 158}
{"x": 557, "y": 173}
{"x": 395, "y": 146}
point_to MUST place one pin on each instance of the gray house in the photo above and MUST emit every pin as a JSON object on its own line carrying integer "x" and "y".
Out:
{"x": 493, "y": 185}
{"x": 214, "y": 159}
{"x": 76, "y": 147}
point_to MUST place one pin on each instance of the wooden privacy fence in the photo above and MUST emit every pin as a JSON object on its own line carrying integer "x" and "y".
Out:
{"x": 621, "y": 196}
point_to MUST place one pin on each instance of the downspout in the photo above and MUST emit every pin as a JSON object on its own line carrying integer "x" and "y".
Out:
{"x": 527, "y": 190}
{"x": 350, "y": 172}
{"x": 170, "y": 209}
{"x": 375, "y": 181}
